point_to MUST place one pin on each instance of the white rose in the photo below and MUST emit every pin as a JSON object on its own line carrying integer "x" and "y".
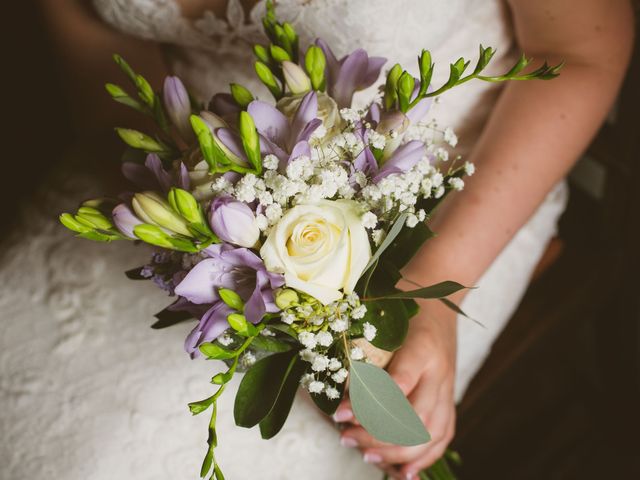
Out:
{"x": 327, "y": 110}
{"x": 322, "y": 248}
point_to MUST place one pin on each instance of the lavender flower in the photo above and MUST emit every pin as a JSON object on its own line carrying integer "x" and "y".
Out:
{"x": 125, "y": 220}
{"x": 237, "y": 269}
{"x": 234, "y": 222}
{"x": 153, "y": 176}
{"x": 351, "y": 73}
{"x": 178, "y": 106}
{"x": 286, "y": 139}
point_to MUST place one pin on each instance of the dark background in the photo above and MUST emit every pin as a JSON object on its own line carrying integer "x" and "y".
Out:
{"x": 559, "y": 398}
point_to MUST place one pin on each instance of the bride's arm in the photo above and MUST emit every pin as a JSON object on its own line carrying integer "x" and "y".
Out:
{"x": 535, "y": 134}
{"x": 84, "y": 46}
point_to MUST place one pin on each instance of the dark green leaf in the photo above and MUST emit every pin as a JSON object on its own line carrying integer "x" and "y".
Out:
{"x": 407, "y": 244}
{"x": 134, "y": 274}
{"x": 274, "y": 421}
{"x": 381, "y": 407}
{"x": 391, "y": 319}
{"x": 167, "y": 318}
{"x": 439, "y": 290}
{"x": 327, "y": 405}
{"x": 260, "y": 388}
{"x": 391, "y": 235}
{"x": 270, "y": 344}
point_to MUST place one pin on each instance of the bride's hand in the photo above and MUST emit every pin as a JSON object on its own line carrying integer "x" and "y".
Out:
{"x": 424, "y": 368}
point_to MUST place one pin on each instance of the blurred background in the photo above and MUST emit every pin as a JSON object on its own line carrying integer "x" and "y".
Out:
{"x": 559, "y": 398}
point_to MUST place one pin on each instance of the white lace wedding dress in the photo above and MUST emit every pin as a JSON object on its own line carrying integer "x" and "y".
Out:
{"x": 88, "y": 391}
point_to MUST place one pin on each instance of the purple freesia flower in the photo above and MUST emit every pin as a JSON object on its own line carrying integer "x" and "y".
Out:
{"x": 178, "y": 106}
{"x": 237, "y": 269}
{"x": 152, "y": 175}
{"x": 351, "y": 73}
{"x": 402, "y": 160}
{"x": 286, "y": 139}
{"x": 125, "y": 220}
{"x": 234, "y": 222}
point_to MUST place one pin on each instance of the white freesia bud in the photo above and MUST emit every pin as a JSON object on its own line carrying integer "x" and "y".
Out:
{"x": 295, "y": 78}
{"x": 153, "y": 209}
{"x": 322, "y": 249}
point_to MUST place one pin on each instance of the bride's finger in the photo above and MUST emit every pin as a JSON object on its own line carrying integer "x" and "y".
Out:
{"x": 358, "y": 437}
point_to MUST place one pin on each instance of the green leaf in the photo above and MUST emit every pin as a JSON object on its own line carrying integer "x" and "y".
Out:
{"x": 270, "y": 344}
{"x": 167, "y": 318}
{"x": 439, "y": 290}
{"x": 275, "y": 420}
{"x": 381, "y": 407}
{"x": 393, "y": 233}
{"x": 327, "y": 405}
{"x": 216, "y": 352}
{"x": 260, "y": 388}
{"x": 391, "y": 319}
{"x": 407, "y": 244}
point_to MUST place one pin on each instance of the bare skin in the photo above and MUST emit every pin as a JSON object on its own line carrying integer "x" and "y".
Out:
{"x": 518, "y": 163}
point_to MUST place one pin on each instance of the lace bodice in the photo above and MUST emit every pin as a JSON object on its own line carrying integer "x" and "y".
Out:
{"x": 211, "y": 52}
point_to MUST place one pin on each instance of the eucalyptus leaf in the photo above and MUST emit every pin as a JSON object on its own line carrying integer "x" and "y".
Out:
{"x": 381, "y": 407}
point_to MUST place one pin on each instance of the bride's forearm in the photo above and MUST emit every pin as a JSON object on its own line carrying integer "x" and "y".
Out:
{"x": 534, "y": 135}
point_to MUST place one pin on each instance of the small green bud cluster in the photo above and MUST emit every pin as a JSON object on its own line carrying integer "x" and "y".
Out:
{"x": 278, "y": 64}
{"x": 91, "y": 222}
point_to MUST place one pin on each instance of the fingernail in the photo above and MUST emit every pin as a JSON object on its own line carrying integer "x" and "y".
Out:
{"x": 342, "y": 415}
{"x": 348, "y": 442}
{"x": 370, "y": 457}
{"x": 409, "y": 476}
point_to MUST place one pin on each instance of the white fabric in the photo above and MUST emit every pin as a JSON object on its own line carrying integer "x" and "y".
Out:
{"x": 88, "y": 391}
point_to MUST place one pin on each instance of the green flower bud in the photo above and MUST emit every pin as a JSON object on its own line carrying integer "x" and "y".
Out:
{"x": 93, "y": 218}
{"x": 186, "y": 205}
{"x": 139, "y": 140}
{"x": 206, "y": 141}
{"x": 391, "y": 87}
{"x": 406, "y": 84}
{"x": 231, "y": 298}
{"x": 238, "y": 322}
{"x": 266, "y": 76}
{"x": 241, "y": 95}
{"x": 72, "y": 224}
{"x": 426, "y": 71}
{"x": 262, "y": 54}
{"x": 279, "y": 54}
{"x": 153, "y": 209}
{"x": 315, "y": 63}
{"x": 285, "y": 297}
{"x": 250, "y": 140}
{"x": 145, "y": 92}
{"x": 295, "y": 78}
{"x": 153, "y": 235}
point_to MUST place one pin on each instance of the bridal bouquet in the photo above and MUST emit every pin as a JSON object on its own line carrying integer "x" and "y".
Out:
{"x": 283, "y": 228}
